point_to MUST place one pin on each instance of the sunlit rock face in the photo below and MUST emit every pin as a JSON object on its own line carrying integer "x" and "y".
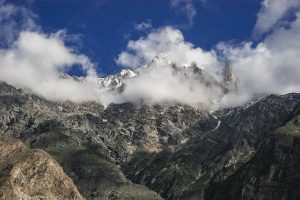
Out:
{"x": 32, "y": 174}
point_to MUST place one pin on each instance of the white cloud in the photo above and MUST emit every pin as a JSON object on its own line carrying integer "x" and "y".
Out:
{"x": 159, "y": 83}
{"x": 166, "y": 42}
{"x": 273, "y": 66}
{"x": 187, "y": 7}
{"x": 146, "y": 25}
{"x": 36, "y": 61}
{"x": 14, "y": 19}
{"x": 273, "y": 12}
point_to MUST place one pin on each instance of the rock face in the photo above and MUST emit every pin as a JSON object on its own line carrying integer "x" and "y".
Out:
{"x": 32, "y": 174}
{"x": 273, "y": 173}
{"x": 216, "y": 156}
{"x": 125, "y": 151}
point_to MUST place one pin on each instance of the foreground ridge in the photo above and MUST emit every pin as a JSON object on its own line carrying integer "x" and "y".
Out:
{"x": 32, "y": 174}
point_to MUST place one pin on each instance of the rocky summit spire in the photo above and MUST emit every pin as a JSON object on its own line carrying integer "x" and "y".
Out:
{"x": 229, "y": 80}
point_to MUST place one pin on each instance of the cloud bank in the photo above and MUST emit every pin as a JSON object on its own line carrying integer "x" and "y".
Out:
{"x": 160, "y": 83}
{"x": 36, "y": 61}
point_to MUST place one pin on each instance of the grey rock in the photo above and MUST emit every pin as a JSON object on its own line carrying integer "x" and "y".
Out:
{"x": 128, "y": 151}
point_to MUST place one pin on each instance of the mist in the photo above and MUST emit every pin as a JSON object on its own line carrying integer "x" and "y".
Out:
{"x": 159, "y": 84}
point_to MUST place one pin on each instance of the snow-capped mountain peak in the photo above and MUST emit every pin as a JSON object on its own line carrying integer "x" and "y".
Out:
{"x": 190, "y": 71}
{"x": 116, "y": 80}
{"x": 160, "y": 61}
{"x": 127, "y": 73}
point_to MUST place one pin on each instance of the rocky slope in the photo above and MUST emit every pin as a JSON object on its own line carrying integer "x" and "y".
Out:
{"x": 273, "y": 173}
{"x": 125, "y": 151}
{"x": 84, "y": 138}
{"x": 31, "y": 174}
{"x": 214, "y": 156}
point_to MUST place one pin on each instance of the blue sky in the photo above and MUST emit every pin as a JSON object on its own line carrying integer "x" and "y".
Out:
{"x": 105, "y": 26}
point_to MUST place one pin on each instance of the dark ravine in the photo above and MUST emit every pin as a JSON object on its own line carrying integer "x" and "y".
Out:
{"x": 164, "y": 151}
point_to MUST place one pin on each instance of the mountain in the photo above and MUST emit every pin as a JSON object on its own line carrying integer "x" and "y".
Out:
{"x": 169, "y": 151}
{"x": 217, "y": 155}
{"x": 71, "y": 133}
{"x": 32, "y": 174}
{"x": 118, "y": 81}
